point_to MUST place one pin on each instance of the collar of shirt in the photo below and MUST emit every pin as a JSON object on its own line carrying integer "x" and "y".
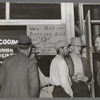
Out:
{"x": 78, "y": 67}
{"x": 60, "y": 56}
{"x": 74, "y": 55}
{"x": 23, "y": 52}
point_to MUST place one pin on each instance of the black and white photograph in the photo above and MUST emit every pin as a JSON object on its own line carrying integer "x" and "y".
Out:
{"x": 49, "y": 50}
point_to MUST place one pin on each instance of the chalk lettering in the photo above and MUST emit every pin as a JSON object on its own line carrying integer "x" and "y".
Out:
{"x": 45, "y": 36}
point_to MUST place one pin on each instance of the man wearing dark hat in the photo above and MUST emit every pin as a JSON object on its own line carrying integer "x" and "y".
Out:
{"x": 19, "y": 77}
{"x": 79, "y": 69}
{"x": 59, "y": 72}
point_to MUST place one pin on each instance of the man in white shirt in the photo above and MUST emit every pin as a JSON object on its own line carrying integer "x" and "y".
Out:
{"x": 59, "y": 72}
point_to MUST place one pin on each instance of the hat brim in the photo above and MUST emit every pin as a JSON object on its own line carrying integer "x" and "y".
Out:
{"x": 82, "y": 45}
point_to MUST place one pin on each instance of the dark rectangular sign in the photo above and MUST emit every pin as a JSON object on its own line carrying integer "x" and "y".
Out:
{"x": 8, "y": 39}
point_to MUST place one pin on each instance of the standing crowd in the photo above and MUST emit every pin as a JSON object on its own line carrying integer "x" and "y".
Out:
{"x": 70, "y": 73}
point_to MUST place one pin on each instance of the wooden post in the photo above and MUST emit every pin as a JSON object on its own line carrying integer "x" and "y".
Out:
{"x": 68, "y": 19}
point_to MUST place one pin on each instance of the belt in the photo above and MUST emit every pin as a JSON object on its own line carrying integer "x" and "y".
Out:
{"x": 47, "y": 85}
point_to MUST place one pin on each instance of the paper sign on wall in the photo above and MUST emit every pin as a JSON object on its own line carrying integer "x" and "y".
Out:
{"x": 45, "y": 37}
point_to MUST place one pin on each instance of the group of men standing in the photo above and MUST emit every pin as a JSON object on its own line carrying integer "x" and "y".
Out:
{"x": 70, "y": 73}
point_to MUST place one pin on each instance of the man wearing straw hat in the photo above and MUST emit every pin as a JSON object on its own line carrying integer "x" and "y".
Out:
{"x": 19, "y": 77}
{"x": 59, "y": 73}
{"x": 79, "y": 68}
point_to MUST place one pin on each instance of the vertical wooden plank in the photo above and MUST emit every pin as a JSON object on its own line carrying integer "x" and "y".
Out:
{"x": 63, "y": 14}
{"x": 81, "y": 16}
{"x": 68, "y": 19}
{"x": 7, "y": 10}
{"x": 81, "y": 21}
{"x": 70, "y": 29}
{"x": 89, "y": 44}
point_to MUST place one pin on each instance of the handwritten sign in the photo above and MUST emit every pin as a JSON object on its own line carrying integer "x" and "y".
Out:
{"x": 45, "y": 37}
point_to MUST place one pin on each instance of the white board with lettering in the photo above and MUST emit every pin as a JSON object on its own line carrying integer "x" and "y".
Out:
{"x": 45, "y": 37}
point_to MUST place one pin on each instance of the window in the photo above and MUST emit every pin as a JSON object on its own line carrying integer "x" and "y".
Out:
{"x": 2, "y": 10}
{"x": 35, "y": 11}
{"x": 94, "y": 11}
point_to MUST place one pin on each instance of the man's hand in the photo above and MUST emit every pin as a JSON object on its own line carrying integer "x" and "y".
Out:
{"x": 92, "y": 49}
{"x": 79, "y": 77}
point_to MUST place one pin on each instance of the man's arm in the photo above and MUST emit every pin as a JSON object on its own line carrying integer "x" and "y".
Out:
{"x": 34, "y": 80}
{"x": 98, "y": 77}
{"x": 87, "y": 69}
{"x": 1, "y": 74}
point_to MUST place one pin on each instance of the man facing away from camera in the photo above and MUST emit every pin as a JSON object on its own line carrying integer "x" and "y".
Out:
{"x": 59, "y": 72}
{"x": 18, "y": 74}
{"x": 79, "y": 69}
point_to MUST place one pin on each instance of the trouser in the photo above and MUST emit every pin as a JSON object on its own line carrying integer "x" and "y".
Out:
{"x": 59, "y": 92}
{"x": 80, "y": 89}
{"x": 46, "y": 92}
{"x": 97, "y": 87}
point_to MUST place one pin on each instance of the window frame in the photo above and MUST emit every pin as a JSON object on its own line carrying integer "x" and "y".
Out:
{"x": 8, "y": 21}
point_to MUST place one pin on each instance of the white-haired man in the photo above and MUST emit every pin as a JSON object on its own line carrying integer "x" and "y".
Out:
{"x": 79, "y": 69}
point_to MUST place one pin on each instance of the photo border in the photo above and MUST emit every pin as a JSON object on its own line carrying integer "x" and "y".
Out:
{"x": 74, "y": 1}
